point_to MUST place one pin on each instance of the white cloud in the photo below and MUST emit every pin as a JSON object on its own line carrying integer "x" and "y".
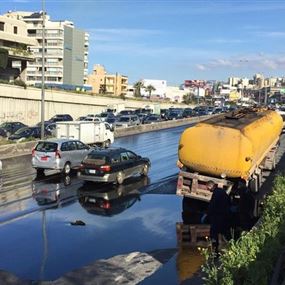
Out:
{"x": 258, "y": 61}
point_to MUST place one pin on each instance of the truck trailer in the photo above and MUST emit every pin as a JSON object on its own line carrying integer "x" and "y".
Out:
{"x": 91, "y": 133}
{"x": 226, "y": 149}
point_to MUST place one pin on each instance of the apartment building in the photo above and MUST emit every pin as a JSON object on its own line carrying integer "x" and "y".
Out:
{"x": 66, "y": 50}
{"x": 14, "y": 42}
{"x": 103, "y": 83}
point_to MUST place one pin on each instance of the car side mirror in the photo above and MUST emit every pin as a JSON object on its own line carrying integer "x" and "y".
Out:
{"x": 139, "y": 157}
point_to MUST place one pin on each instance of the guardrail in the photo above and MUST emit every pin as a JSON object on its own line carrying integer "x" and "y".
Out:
{"x": 25, "y": 148}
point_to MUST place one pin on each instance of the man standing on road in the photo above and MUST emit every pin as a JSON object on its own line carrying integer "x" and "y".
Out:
{"x": 219, "y": 214}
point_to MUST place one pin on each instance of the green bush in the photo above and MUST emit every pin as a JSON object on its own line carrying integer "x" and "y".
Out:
{"x": 251, "y": 259}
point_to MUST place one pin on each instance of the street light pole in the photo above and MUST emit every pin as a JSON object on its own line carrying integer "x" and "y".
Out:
{"x": 43, "y": 73}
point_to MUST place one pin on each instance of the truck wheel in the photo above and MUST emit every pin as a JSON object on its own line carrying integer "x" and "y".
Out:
{"x": 67, "y": 168}
{"x": 145, "y": 170}
{"x": 107, "y": 143}
{"x": 120, "y": 178}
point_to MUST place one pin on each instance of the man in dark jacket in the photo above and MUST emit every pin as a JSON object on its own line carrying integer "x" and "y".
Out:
{"x": 219, "y": 214}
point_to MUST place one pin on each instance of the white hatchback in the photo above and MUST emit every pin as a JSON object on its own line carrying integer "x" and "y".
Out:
{"x": 58, "y": 154}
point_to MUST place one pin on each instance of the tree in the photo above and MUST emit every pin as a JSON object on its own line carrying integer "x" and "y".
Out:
{"x": 138, "y": 86}
{"x": 149, "y": 89}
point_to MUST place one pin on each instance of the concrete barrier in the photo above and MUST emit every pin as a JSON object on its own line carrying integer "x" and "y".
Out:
{"x": 19, "y": 149}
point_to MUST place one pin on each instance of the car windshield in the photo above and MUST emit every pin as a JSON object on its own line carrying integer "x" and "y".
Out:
{"x": 20, "y": 131}
{"x": 46, "y": 146}
{"x": 152, "y": 118}
{"x": 95, "y": 158}
{"x": 124, "y": 119}
{"x": 124, "y": 112}
{"x": 5, "y": 125}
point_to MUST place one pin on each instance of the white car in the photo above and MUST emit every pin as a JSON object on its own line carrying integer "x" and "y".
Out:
{"x": 93, "y": 119}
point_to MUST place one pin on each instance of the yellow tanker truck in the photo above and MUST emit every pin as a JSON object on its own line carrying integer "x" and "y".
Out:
{"x": 227, "y": 149}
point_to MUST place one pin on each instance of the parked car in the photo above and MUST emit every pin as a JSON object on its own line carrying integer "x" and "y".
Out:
{"x": 25, "y": 133}
{"x": 142, "y": 116}
{"x": 93, "y": 119}
{"x": 188, "y": 113}
{"x": 201, "y": 110}
{"x": 112, "y": 165}
{"x": 105, "y": 115}
{"x": 126, "y": 112}
{"x": 81, "y": 118}
{"x": 211, "y": 110}
{"x": 58, "y": 154}
{"x": 163, "y": 114}
{"x": 9, "y": 128}
{"x": 128, "y": 121}
{"x": 218, "y": 110}
{"x": 151, "y": 119}
{"x": 175, "y": 114}
{"x": 61, "y": 118}
{"x": 111, "y": 122}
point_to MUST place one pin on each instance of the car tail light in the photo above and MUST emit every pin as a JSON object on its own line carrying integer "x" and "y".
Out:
{"x": 105, "y": 168}
{"x": 180, "y": 183}
{"x": 33, "y": 152}
{"x": 57, "y": 154}
{"x": 106, "y": 205}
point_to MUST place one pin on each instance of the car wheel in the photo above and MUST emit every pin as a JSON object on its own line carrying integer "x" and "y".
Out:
{"x": 67, "y": 168}
{"x": 145, "y": 170}
{"x": 120, "y": 178}
{"x": 40, "y": 172}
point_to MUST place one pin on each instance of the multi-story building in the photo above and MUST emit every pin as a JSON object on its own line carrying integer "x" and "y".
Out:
{"x": 14, "y": 42}
{"x": 101, "y": 82}
{"x": 66, "y": 51}
{"x": 234, "y": 81}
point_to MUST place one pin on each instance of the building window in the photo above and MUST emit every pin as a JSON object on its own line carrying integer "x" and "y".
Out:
{"x": 15, "y": 30}
{"x": 1, "y": 26}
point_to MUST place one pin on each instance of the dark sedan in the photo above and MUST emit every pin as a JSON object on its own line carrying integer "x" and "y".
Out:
{"x": 151, "y": 119}
{"x": 9, "y": 128}
{"x": 25, "y": 133}
{"x": 112, "y": 165}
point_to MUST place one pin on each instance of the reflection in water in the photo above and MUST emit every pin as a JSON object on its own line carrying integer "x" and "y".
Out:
{"x": 110, "y": 199}
{"x": 54, "y": 191}
{"x": 191, "y": 234}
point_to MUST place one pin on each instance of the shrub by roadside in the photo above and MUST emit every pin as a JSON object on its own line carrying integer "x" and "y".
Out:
{"x": 251, "y": 259}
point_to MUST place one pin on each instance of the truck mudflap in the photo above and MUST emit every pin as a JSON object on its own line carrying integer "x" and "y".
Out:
{"x": 193, "y": 185}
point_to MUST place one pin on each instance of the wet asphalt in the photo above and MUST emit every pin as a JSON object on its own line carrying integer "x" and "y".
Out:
{"x": 51, "y": 228}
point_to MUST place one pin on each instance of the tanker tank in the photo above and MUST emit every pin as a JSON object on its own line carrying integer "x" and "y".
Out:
{"x": 231, "y": 145}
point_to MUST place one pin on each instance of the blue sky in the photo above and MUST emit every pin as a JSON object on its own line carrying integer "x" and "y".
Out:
{"x": 176, "y": 40}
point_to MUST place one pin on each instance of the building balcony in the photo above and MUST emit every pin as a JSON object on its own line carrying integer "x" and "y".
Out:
{"x": 20, "y": 54}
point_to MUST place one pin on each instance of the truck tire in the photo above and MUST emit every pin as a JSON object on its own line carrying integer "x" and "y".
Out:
{"x": 66, "y": 169}
{"x": 106, "y": 144}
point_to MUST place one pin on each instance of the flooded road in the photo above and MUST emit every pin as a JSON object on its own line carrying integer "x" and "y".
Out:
{"x": 60, "y": 229}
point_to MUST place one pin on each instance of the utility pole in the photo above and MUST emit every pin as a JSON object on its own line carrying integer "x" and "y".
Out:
{"x": 43, "y": 73}
{"x": 265, "y": 97}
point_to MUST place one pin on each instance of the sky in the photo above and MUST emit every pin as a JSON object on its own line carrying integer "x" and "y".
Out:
{"x": 175, "y": 40}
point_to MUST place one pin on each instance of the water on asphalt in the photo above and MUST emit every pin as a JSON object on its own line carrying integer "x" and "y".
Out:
{"x": 53, "y": 225}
